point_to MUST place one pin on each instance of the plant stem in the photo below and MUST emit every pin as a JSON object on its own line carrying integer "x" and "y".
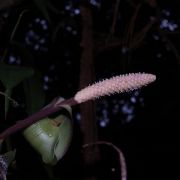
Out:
{"x": 36, "y": 117}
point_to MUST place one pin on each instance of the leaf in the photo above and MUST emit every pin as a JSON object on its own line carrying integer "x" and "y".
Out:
{"x": 34, "y": 94}
{"x": 43, "y": 7}
{"x": 10, "y": 156}
{"x": 11, "y": 76}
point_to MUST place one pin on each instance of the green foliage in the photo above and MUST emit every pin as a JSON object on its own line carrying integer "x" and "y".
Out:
{"x": 50, "y": 137}
{"x": 43, "y": 7}
{"x": 11, "y": 76}
{"x": 10, "y": 156}
{"x": 34, "y": 94}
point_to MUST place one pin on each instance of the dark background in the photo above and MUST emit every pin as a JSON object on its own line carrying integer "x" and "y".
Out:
{"x": 144, "y": 123}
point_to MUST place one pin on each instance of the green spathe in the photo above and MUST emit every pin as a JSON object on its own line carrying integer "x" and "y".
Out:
{"x": 49, "y": 139}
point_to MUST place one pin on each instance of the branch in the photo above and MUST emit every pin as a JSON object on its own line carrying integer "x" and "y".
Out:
{"x": 112, "y": 30}
{"x": 88, "y": 123}
{"x": 129, "y": 34}
{"x": 139, "y": 36}
{"x": 136, "y": 40}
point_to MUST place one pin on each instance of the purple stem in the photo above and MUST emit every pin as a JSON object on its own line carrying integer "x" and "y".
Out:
{"x": 36, "y": 117}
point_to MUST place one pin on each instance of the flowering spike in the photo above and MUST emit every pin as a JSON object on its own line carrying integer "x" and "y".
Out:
{"x": 117, "y": 84}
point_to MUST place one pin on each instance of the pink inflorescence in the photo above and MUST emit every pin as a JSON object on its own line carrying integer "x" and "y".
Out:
{"x": 117, "y": 84}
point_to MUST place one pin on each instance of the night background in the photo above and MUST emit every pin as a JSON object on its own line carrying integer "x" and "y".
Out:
{"x": 71, "y": 44}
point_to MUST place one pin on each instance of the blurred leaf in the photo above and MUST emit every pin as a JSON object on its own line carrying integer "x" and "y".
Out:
{"x": 10, "y": 156}
{"x": 46, "y": 5}
{"x": 11, "y": 76}
{"x": 53, "y": 8}
{"x": 34, "y": 94}
{"x": 43, "y": 7}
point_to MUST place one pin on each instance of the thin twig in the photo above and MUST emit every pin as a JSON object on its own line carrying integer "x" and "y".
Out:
{"x": 139, "y": 36}
{"x": 115, "y": 15}
{"x": 15, "y": 103}
{"x": 13, "y": 32}
{"x": 136, "y": 41}
{"x": 17, "y": 24}
{"x": 129, "y": 35}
